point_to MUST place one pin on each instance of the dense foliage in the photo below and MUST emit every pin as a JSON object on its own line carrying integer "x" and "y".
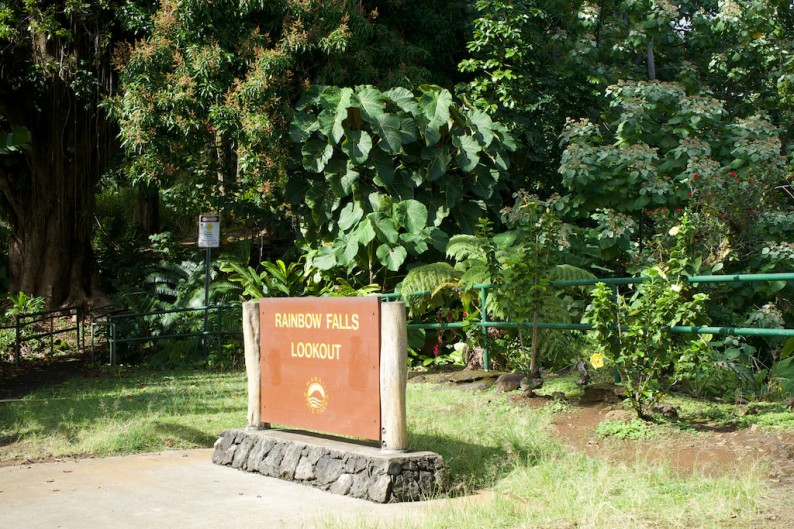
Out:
{"x": 385, "y": 175}
{"x": 361, "y": 146}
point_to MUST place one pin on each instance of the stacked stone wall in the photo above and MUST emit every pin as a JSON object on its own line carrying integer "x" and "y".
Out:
{"x": 341, "y": 468}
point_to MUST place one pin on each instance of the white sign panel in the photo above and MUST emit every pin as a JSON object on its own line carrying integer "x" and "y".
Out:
{"x": 209, "y": 231}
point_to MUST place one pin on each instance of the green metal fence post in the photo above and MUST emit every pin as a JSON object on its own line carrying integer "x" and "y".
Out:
{"x": 486, "y": 363}
{"x": 81, "y": 328}
{"x": 16, "y": 341}
{"x": 220, "y": 331}
{"x": 112, "y": 342}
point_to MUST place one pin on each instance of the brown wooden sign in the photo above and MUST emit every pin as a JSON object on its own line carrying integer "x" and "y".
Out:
{"x": 320, "y": 361}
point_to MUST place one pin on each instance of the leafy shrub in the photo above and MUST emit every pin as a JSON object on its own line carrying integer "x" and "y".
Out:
{"x": 634, "y": 335}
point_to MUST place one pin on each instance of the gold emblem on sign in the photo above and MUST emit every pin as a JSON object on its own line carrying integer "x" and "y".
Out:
{"x": 316, "y": 395}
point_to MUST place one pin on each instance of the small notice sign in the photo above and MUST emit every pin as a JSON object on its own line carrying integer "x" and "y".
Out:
{"x": 209, "y": 231}
{"x": 320, "y": 361}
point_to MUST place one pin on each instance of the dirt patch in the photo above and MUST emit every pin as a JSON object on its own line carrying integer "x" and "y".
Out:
{"x": 710, "y": 452}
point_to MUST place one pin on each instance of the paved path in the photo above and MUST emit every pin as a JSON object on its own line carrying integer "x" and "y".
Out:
{"x": 179, "y": 489}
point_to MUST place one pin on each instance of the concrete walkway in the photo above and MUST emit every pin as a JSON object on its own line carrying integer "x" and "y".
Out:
{"x": 180, "y": 489}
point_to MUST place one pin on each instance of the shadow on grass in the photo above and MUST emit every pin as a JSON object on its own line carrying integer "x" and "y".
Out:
{"x": 472, "y": 466}
{"x": 187, "y": 434}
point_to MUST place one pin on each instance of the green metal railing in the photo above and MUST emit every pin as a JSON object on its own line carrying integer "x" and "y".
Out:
{"x": 45, "y": 319}
{"x": 484, "y": 323}
{"x": 113, "y": 325}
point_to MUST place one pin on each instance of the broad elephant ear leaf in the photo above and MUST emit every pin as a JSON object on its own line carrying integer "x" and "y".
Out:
{"x": 392, "y": 257}
{"x": 468, "y": 155}
{"x": 371, "y": 103}
{"x": 403, "y": 98}
{"x": 387, "y": 127}
{"x": 411, "y": 214}
{"x": 316, "y": 154}
{"x": 357, "y": 145}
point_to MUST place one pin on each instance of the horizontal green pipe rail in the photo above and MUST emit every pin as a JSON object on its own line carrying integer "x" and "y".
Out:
{"x": 126, "y": 315}
{"x": 23, "y": 321}
{"x": 718, "y": 330}
{"x": 113, "y": 322}
{"x": 734, "y": 331}
{"x": 29, "y": 337}
{"x": 735, "y": 278}
{"x": 137, "y": 339}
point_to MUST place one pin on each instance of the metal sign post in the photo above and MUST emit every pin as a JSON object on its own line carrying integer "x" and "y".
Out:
{"x": 209, "y": 237}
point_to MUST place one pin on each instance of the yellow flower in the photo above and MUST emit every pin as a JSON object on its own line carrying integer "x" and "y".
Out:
{"x": 674, "y": 230}
{"x": 597, "y": 360}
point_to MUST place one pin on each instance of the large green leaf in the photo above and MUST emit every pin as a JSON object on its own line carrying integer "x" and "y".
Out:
{"x": 412, "y": 214}
{"x": 434, "y": 104}
{"x": 452, "y": 189}
{"x": 384, "y": 167}
{"x": 387, "y": 127}
{"x": 348, "y": 180}
{"x": 371, "y": 103}
{"x": 346, "y": 250}
{"x": 325, "y": 122}
{"x": 484, "y": 184}
{"x": 437, "y": 238}
{"x": 468, "y": 155}
{"x": 322, "y": 201}
{"x": 408, "y": 130}
{"x": 438, "y": 158}
{"x": 365, "y": 232}
{"x": 350, "y": 215}
{"x": 501, "y": 132}
{"x": 325, "y": 259}
{"x": 384, "y": 227}
{"x": 415, "y": 243}
{"x": 392, "y": 257}
{"x": 316, "y": 154}
{"x": 310, "y": 97}
{"x": 357, "y": 145}
{"x": 378, "y": 202}
{"x": 403, "y": 98}
{"x": 340, "y": 114}
{"x": 482, "y": 125}
{"x": 783, "y": 374}
{"x": 302, "y": 126}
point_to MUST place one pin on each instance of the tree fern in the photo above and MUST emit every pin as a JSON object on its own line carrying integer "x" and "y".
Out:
{"x": 462, "y": 248}
{"x": 435, "y": 280}
{"x": 566, "y": 272}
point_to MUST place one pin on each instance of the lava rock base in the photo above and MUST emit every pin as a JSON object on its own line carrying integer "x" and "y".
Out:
{"x": 330, "y": 464}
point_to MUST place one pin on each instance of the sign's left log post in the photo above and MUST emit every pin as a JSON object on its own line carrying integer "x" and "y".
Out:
{"x": 253, "y": 366}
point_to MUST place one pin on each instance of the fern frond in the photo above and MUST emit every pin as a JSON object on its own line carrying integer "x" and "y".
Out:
{"x": 566, "y": 272}
{"x": 463, "y": 247}
{"x": 478, "y": 274}
{"x": 428, "y": 278}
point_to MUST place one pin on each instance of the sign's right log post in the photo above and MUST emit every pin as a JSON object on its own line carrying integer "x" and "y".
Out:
{"x": 393, "y": 376}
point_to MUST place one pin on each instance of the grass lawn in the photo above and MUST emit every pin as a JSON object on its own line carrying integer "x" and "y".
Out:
{"x": 490, "y": 444}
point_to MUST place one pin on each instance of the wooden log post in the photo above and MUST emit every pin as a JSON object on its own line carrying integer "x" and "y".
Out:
{"x": 252, "y": 363}
{"x": 393, "y": 376}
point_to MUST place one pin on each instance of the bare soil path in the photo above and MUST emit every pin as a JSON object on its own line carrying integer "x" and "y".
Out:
{"x": 711, "y": 452}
